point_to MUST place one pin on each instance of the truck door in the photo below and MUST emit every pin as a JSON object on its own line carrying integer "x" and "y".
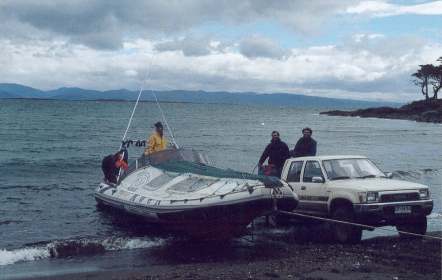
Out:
{"x": 314, "y": 194}
{"x": 294, "y": 179}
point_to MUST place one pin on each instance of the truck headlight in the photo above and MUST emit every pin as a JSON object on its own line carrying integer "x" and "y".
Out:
{"x": 368, "y": 197}
{"x": 424, "y": 194}
{"x": 372, "y": 196}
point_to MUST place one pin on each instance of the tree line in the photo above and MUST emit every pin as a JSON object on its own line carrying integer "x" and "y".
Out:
{"x": 427, "y": 76}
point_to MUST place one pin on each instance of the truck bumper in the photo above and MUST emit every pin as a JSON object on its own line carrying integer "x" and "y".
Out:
{"x": 378, "y": 214}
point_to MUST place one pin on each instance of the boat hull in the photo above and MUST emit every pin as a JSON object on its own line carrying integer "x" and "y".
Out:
{"x": 209, "y": 222}
{"x": 192, "y": 197}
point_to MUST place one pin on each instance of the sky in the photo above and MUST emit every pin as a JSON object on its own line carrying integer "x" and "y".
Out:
{"x": 345, "y": 49}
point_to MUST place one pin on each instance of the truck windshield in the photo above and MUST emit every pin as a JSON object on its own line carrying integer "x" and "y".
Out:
{"x": 338, "y": 169}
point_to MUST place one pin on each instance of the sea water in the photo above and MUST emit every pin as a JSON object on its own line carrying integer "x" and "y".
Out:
{"x": 51, "y": 152}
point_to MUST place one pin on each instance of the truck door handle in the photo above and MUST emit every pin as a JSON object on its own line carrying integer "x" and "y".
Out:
{"x": 303, "y": 188}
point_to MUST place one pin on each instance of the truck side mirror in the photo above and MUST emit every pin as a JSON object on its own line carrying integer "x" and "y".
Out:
{"x": 389, "y": 175}
{"x": 317, "y": 180}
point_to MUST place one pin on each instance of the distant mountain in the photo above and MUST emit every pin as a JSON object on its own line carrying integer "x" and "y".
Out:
{"x": 21, "y": 91}
{"x": 75, "y": 94}
{"x": 4, "y": 94}
{"x": 244, "y": 98}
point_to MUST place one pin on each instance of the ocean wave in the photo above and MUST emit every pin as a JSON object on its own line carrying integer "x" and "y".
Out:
{"x": 7, "y": 222}
{"x": 69, "y": 164}
{"x": 48, "y": 187}
{"x": 70, "y": 248}
{"x": 435, "y": 215}
{"x": 29, "y": 187}
{"x": 25, "y": 254}
{"x": 416, "y": 174}
{"x": 133, "y": 243}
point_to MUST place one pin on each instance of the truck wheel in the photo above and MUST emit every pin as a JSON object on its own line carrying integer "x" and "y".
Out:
{"x": 279, "y": 220}
{"x": 417, "y": 225}
{"x": 345, "y": 233}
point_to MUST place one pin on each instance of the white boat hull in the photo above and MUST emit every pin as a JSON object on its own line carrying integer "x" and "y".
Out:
{"x": 198, "y": 205}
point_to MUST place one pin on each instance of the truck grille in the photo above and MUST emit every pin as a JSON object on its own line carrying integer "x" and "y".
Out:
{"x": 399, "y": 197}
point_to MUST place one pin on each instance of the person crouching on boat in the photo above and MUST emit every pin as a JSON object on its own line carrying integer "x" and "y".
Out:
{"x": 277, "y": 152}
{"x": 157, "y": 141}
{"x": 112, "y": 164}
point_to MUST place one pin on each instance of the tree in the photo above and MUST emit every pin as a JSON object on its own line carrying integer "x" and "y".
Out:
{"x": 422, "y": 78}
{"x": 436, "y": 78}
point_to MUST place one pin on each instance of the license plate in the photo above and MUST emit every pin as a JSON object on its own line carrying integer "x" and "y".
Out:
{"x": 402, "y": 209}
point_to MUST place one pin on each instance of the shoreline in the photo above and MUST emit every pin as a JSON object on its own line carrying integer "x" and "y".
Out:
{"x": 286, "y": 257}
{"x": 419, "y": 111}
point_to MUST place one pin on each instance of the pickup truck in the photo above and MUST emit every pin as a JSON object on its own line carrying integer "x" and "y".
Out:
{"x": 352, "y": 188}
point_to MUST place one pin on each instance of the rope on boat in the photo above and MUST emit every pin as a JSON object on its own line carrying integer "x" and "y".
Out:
{"x": 148, "y": 74}
{"x": 356, "y": 224}
{"x": 165, "y": 120}
{"x": 131, "y": 116}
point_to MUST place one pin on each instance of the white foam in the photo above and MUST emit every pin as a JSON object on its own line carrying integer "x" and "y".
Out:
{"x": 109, "y": 244}
{"x": 132, "y": 243}
{"x": 25, "y": 254}
{"x": 435, "y": 215}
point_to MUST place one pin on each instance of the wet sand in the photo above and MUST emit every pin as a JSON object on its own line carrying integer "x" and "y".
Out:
{"x": 285, "y": 257}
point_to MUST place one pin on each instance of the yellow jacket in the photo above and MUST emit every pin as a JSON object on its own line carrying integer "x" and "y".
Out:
{"x": 155, "y": 143}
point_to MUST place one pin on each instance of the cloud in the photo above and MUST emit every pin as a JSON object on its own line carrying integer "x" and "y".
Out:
{"x": 258, "y": 46}
{"x": 364, "y": 37}
{"x": 366, "y": 67}
{"x": 255, "y": 46}
{"x": 383, "y": 8}
{"x": 383, "y": 46}
{"x": 104, "y": 44}
{"x": 188, "y": 46}
{"x": 103, "y": 24}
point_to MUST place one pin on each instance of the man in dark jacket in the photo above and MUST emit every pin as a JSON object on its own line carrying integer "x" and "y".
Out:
{"x": 277, "y": 152}
{"x": 111, "y": 165}
{"x": 306, "y": 145}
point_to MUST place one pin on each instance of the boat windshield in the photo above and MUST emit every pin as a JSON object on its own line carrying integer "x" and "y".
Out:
{"x": 339, "y": 169}
{"x": 187, "y": 155}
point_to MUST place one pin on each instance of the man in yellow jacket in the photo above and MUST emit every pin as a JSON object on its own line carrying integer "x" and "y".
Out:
{"x": 157, "y": 141}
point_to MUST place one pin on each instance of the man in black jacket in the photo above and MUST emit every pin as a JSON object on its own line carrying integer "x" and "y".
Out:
{"x": 306, "y": 145}
{"x": 111, "y": 165}
{"x": 277, "y": 152}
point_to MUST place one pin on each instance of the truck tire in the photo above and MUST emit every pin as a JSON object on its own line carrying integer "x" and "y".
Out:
{"x": 345, "y": 233}
{"x": 417, "y": 225}
{"x": 279, "y": 220}
{"x": 283, "y": 220}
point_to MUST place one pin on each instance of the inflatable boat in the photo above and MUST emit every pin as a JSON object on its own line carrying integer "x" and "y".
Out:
{"x": 179, "y": 190}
